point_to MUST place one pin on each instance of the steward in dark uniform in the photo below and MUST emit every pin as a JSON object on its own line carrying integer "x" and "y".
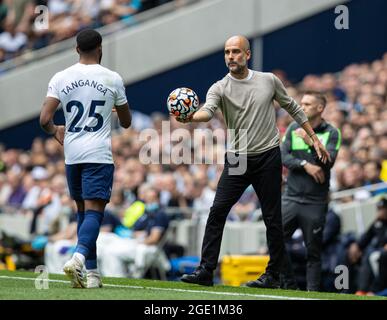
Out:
{"x": 305, "y": 200}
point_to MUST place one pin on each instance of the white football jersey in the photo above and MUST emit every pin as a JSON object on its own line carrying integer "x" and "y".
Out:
{"x": 87, "y": 94}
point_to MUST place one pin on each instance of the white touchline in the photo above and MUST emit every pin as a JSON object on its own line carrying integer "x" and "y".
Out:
{"x": 179, "y": 290}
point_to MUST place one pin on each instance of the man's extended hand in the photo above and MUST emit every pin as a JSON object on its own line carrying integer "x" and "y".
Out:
{"x": 198, "y": 116}
{"x": 302, "y": 134}
{"x": 59, "y": 134}
{"x": 187, "y": 120}
{"x": 322, "y": 153}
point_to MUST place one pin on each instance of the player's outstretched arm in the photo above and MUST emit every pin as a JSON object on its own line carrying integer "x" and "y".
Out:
{"x": 124, "y": 115}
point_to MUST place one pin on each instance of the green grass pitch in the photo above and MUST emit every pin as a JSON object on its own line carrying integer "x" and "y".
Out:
{"x": 20, "y": 285}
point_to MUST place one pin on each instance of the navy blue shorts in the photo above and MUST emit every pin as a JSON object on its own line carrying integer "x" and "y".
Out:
{"x": 90, "y": 181}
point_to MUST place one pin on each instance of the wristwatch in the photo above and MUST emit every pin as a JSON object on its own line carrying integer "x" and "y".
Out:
{"x": 303, "y": 163}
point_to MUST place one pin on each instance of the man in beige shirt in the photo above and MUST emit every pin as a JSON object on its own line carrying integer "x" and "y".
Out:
{"x": 245, "y": 97}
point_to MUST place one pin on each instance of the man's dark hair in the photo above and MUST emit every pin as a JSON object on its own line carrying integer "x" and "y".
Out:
{"x": 318, "y": 95}
{"x": 88, "y": 40}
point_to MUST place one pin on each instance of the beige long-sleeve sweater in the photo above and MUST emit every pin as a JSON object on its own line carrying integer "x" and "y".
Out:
{"x": 248, "y": 110}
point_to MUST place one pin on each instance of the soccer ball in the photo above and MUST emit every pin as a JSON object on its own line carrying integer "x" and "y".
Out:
{"x": 182, "y": 103}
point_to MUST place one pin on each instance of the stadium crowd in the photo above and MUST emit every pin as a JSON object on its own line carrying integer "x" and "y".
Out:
{"x": 19, "y": 34}
{"x": 33, "y": 181}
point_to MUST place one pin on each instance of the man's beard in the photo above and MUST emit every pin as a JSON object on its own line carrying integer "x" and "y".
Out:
{"x": 238, "y": 69}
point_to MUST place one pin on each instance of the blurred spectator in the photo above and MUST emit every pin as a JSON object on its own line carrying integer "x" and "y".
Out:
{"x": 53, "y": 150}
{"x": 39, "y": 190}
{"x": 116, "y": 204}
{"x": 48, "y": 204}
{"x": 139, "y": 252}
{"x": 372, "y": 176}
{"x": 244, "y": 208}
{"x": 359, "y": 252}
{"x": 203, "y": 194}
{"x": 12, "y": 41}
{"x": 352, "y": 177}
{"x": 19, "y": 10}
{"x": 169, "y": 194}
{"x": 15, "y": 191}
{"x": 125, "y": 9}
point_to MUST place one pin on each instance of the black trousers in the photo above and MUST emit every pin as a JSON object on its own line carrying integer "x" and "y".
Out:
{"x": 311, "y": 219}
{"x": 264, "y": 172}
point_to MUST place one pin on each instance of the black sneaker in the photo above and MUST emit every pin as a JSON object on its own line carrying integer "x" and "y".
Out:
{"x": 200, "y": 276}
{"x": 267, "y": 281}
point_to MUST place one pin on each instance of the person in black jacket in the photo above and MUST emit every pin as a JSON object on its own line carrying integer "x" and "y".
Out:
{"x": 374, "y": 240}
{"x": 382, "y": 278}
{"x": 305, "y": 199}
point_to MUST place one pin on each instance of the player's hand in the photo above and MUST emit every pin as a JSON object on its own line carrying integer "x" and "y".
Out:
{"x": 316, "y": 172}
{"x": 322, "y": 153}
{"x": 59, "y": 134}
